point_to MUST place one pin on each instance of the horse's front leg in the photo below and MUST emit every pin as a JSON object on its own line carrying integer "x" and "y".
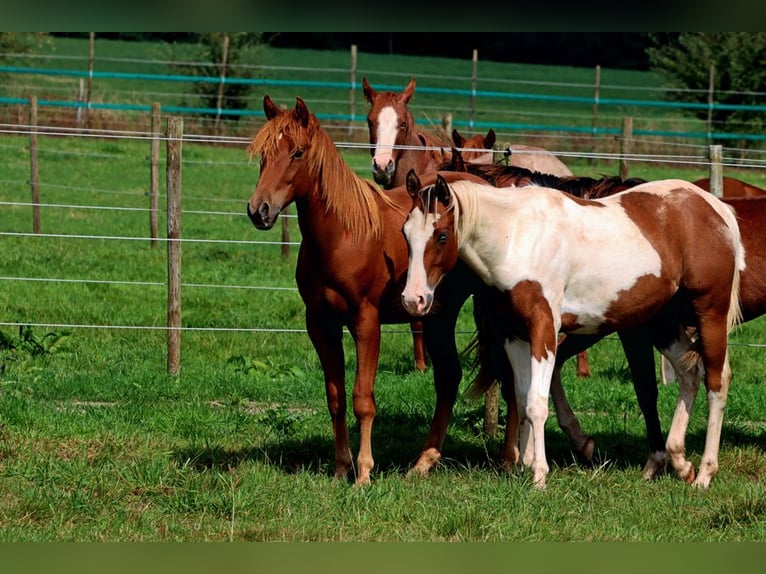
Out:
{"x": 418, "y": 345}
{"x": 439, "y": 331}
{"x": 327, "y": 337}
{"x": 365, "y": 330}
{"x": 533, "y": 365}
{"x": 447, "y": 372}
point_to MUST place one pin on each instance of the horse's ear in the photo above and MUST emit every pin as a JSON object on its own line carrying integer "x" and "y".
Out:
{"x": 457, "y": 139}
{"x": 442, "y": 190}
{"x": 458, "y": 163}
{"x": 489, "y": 139}
{"x": 407, "y": 93}
{"x": 270, "y": 108}
{"x": 369, "y": 93}
{"x": 301, "y": 112}
{"x": 413, "y": 184}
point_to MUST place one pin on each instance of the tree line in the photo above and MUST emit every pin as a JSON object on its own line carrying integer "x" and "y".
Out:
{"x": 691, "y": 63}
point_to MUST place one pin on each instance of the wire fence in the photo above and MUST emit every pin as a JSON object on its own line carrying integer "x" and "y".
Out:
{"x": 13, "y": 203}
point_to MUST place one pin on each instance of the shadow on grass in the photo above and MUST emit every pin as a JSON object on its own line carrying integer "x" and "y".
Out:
{"x": 398, "y": 440}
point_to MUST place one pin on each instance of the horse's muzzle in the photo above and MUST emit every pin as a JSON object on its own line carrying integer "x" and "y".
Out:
{"x": 383, "y": 175}
{"x": 418, "y": 305}
{"x": 264, "y": 217}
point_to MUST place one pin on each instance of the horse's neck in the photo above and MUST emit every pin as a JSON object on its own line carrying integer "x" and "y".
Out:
{"x": 484, "y": 221}
{"x": 416, "y": 157}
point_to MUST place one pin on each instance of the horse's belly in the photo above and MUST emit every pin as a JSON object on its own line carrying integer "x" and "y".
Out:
{"x": 582, "y": 315}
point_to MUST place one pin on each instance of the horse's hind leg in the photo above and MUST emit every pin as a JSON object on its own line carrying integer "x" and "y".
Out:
{"x": 713, "y": 339}
{"x": 639, "y": 352}
{"x": 568, "y": 346}
{"x": 583, "y": 366}
{"x": 689, "y": 376}
{"x": 326, "y": 336}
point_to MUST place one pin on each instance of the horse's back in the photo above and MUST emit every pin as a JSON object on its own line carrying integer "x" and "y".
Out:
{"x": 539, "y": 159}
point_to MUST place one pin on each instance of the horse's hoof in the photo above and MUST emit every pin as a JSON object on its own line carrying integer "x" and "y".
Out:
{"x": 587, "y": 450}
{"x": 690, "y": 476}
{"x": 429, "y": 458}
{"x": 654, "y": 464}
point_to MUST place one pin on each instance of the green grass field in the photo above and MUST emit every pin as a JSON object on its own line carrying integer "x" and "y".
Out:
{"x": 98, "y": 443}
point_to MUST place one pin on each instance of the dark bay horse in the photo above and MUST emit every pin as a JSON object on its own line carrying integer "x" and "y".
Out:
{"x": 350, "y": 272}
{"x": 666, "y": 254}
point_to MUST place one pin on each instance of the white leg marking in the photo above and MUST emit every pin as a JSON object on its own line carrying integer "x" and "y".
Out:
{"x": 532, "y": 390}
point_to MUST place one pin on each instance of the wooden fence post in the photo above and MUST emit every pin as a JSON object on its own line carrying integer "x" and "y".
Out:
{"x": 174, "y": 150}
{"x": 594, "y": 119}
{"x": 91, "y": 65}
{"x": 626, "y": 145}
{"x": 473, "y": 86}
{"x": 710, "y": 100}
{"x": 716, "y": 170}
{"x": 447, "y": 123}
{"x": 351, "y": 93}
{"x": 34, "y": 176}
{"x": 219, "y": 99}
{"x": 154, "y": 177}
{"x": 491, "y": 409}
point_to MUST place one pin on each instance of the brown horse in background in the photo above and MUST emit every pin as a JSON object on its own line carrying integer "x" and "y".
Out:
{"x": 733, "y": 187}
{"x": 483, "y": 143}
{"x": 396, "y": 144}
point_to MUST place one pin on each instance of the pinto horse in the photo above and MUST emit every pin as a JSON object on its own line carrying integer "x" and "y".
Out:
{"x": 532, "y": 246}
{"x": 501, "y": 175}
{"x": 350, "y": 272}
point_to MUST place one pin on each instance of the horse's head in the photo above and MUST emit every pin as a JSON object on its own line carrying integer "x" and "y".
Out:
{"x": 390, "y": 124}
{"x": 477, "y": 142}
{"x": 431, "y": 239}
{"x": 283, "y": 144}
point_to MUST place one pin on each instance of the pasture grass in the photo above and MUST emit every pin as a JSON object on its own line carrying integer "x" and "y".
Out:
{"x": 98, "y": 443}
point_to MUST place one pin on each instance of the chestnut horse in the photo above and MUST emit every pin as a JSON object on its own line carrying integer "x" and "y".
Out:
{"x": 350, "y": 272}
{"x": 483, "y": 143}
{"x": 398, "y": 146}
{"x": 532, "y": 246}
{"x": 733, "y": 187}
{"x": 396, "y": 143}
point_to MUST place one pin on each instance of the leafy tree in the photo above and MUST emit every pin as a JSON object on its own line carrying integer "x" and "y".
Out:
{"x": 242, "y": 49}
{"x": 739, "y": 60}
{"x": 20, "y": 43}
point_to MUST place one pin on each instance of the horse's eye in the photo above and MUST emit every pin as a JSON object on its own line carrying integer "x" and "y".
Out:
{"x": 442, "y": 239}
{"x": 298, "y": 153}
{"x": 403, "y": 126}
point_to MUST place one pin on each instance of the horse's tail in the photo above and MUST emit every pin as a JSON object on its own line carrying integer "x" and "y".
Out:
{"x": 734, "y": 317}
{"x": 490, "y": 362}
